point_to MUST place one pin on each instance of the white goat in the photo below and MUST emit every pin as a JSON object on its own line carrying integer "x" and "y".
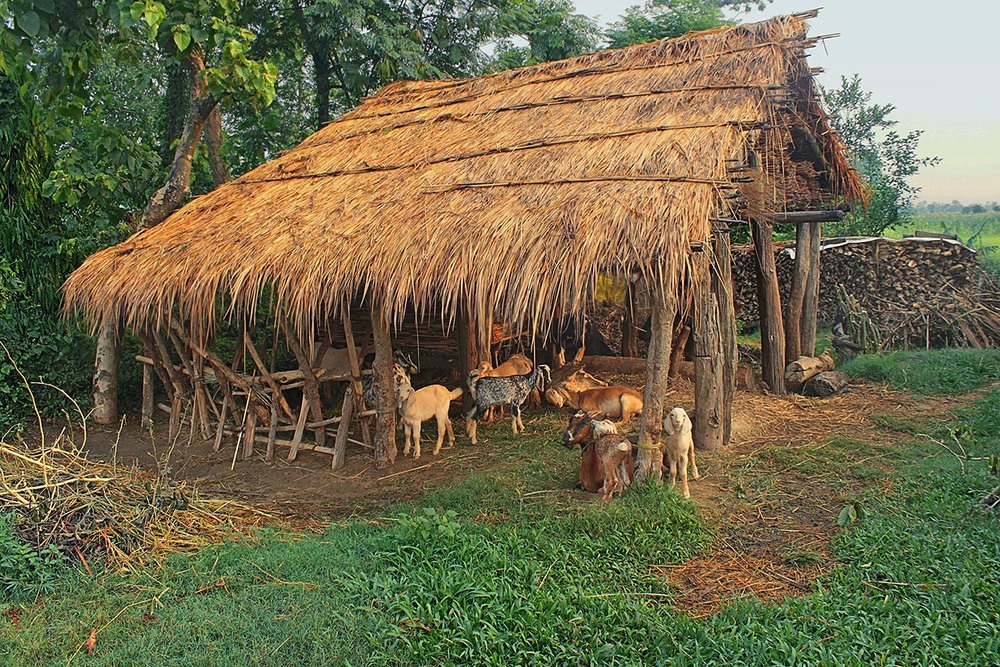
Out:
{"x": 679, "y": 448}
{"x": 420, "y": 405}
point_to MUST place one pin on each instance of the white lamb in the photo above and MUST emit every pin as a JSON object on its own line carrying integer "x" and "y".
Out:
{"x": 679, "y": 447}
{"x": 419, "y": 406}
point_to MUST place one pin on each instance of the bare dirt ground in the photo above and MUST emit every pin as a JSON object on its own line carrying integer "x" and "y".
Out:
{"x": 769, "y": 496}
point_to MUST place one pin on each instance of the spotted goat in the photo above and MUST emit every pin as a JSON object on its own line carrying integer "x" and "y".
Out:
{"x": 513, "y": 391}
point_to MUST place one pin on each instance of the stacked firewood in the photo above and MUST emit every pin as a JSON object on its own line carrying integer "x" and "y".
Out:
{"x": 917, "y": 293}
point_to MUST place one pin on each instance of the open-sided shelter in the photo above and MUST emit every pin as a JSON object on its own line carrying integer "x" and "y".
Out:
{"x": 505, "y": 195}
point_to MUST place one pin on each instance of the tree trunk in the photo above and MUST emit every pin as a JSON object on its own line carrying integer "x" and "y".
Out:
{"x": 213, "y": 140}
{"x": 650, "y": 456}
{"x": 385, "y": 391}
{"x": 106, "y": 373}
{"x": 166, "y": 200}
{"x": 772, "y": 330}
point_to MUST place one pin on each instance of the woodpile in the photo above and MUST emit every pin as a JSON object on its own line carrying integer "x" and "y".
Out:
{"x": 915, "y": 292}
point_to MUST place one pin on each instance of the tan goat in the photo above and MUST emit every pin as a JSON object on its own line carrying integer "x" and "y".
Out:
{"x": 418, "y": 406}
{"x": 619, "y": 403}
{"x": 679, "y": 448}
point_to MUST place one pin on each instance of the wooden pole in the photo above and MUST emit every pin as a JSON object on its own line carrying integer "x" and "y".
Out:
{"x": 663, "y": 306}
{"x": 772, "y": 330}
{"x": 106, "y": 365}
{"x": 148, "y": 391}
{"x": 468, "y": 352}
{"x": 810, "y": 306}
{"x": 385, "y": 390}
{"x": 311, "y": 387}
{"x": 630, "y": 341}
{"x": 722, "y": 287}
{"x": 797, "y": 295}
{"x": 708, "y": 422}
{"x": 343, "y": 429}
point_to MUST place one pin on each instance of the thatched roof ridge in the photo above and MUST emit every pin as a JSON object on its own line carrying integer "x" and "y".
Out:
{"x": 513, "y": 191}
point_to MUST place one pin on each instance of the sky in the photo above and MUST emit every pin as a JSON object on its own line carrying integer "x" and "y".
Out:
{"x": 937, "y": 66}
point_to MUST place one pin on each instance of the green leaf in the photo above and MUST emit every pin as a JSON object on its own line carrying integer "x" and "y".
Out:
{"x": 29, "y": 23}
{"x": 847, "y": 516}
{"x": 182, "y": 38}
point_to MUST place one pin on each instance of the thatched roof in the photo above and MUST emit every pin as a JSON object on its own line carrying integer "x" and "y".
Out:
{"x": 513, "y": 191}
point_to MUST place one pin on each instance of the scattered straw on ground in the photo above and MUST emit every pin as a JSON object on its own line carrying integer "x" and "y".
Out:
{"x": 125, "y": 514}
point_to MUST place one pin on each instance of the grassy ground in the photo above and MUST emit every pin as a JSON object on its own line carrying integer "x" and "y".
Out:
{"x": 505, "y": 568}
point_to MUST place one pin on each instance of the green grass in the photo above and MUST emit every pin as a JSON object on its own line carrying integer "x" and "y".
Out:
{"x": 982, "y": 230}
{"x": 949, "y": 371}
{"x": 501, "y": 571}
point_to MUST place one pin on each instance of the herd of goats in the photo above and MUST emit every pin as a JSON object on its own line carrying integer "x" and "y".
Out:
{"x": 607, "y": 462}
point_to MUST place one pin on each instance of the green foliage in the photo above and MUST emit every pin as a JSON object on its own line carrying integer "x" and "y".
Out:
{"x": 24, "y": 571}
{"x": 552, "y": 30}
{"x": 659, "y": 19}
{"x": 879, "y": 153}
{"x": 947, "y": 371}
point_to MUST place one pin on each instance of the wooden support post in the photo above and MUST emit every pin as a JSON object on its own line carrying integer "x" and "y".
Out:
{"x": 300, "y": 426}
{"x": 663, "y": 306}
{"x": 797, "y": 295}
{"x": 722, "y": 287}
{"x": 468, "y": 352}
{"x": 343, "y": 429}
{"x": 311, "y": 387}
{"x": 810, "y": 305}
{"x": 278, "y": 396}
{"x": 106, "y": 365}
{"x": 681, "y": 336}
{"x": 272, "y": 432}
{"x": 708, "y": 422}
{"x": 221, "y": 429}
{"x": 385, "y": 386}
{"x": 772, "y": 330}
{"x": 250, "y": 433}
{"x": 630, "y": 339}
{"x": 148, "y": 391}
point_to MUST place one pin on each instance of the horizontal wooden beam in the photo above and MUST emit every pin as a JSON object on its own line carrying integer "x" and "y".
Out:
{"x": 791, "y": 218}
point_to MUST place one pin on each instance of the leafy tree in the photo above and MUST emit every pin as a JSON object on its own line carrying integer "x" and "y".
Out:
{"x": 659, "y": 19}
{"x": 882, "y": 155}
{"x": 552, "y": 30}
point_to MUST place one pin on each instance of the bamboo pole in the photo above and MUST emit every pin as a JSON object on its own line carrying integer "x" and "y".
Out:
{"x": 299, "y": 428}
{"x": 343, "y": 429}
{"x": 279, "y": 396}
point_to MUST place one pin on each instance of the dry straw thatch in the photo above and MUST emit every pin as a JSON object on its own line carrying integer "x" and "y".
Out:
{"x": 510, "y": 192}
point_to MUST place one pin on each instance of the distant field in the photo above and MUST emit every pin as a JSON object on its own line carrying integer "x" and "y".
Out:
{"x": 980, "y": 230}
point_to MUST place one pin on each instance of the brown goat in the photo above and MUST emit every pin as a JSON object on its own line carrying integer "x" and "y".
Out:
{"x": 606, "y": 461}
{"x": 618, "y": 403}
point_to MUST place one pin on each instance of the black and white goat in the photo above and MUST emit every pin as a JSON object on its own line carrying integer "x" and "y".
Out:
{"x": 513, "y": 391}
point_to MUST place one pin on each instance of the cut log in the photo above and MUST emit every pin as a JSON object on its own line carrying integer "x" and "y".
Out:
{"x": 624, "y": 365}
{"x": 803, "y": 368}
{"x": 825, "y": 384}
